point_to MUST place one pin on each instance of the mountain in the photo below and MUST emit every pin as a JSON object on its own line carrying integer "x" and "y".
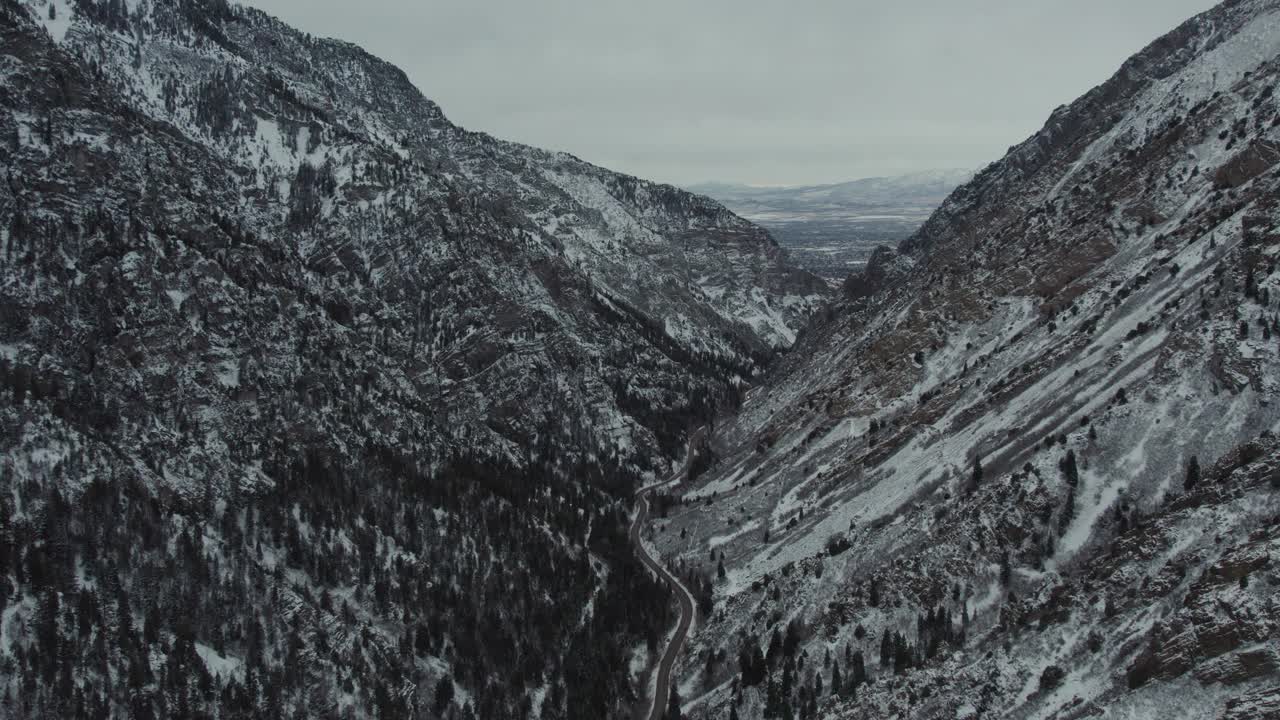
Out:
{"x": 316, "y": 404}
{"x": 1027, "y": 466}
{"x": 929, "y": 187}
{"x": 832, "y": 229}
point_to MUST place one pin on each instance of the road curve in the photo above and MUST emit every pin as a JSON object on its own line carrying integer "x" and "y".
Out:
{"x": 662, "y": 687}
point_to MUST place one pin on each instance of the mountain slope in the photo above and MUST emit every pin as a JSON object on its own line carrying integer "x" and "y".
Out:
{"x": 314, "y": 403}
{"x": 977, "y": 465}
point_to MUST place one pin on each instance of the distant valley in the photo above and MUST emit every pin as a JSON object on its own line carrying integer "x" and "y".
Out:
{"x": 832, "y": 229}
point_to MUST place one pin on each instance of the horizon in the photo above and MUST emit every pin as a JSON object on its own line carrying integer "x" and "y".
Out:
{"x": 792, "y": 186}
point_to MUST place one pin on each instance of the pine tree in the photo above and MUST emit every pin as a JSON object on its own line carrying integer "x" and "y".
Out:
{"x": 902, "y": 654}
{"x": 751, "y": 664}
{"x": 124, "y": 617}
{"x": 774, "y": 654}
{"x": 773, "y": 698}
{"x": 1193, "y": 474}
{"x": 673, "y": 706}
{"x": 444, "y": 694}
{"x": 858, "y": 674}
{"x": 86, "y": 612}
{"x": 1069, "y": 469}
{"x": 47, "y": 633}
{"x": 1068, "y": 512}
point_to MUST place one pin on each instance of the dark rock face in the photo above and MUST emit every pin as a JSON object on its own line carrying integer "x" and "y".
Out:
{"x": 1256, "y": 705}
{"x": 874, "y": 278}
{"x": 314, "y": 403}
{"x": 1240, "y": 667}
{"x": 1251, "y": 162}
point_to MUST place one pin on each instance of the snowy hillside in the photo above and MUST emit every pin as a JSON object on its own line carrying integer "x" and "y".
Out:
{"x": 1027, "y": 466}
{"x": 315, "y": 404}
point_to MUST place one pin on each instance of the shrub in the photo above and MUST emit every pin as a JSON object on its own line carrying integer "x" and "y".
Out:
{"x": 1051, "y": 678}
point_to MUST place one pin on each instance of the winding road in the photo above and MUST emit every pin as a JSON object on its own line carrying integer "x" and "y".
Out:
{"x": 662, "y": 686}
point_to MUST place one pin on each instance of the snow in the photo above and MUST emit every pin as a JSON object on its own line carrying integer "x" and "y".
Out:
{"x": 50, "y": 454}
{"x": 990, "y": 598}
{"x": 717, "y": 540}
{"x": 177, "y": 297}
{"x": 220, "y": 665}
{"x": 720, "y": 485}
{"x": 10, "y": 616}
{"x": 1090, "y": 506}
{"x": 229, "y": 374}
{"x": 637, "y": 663}
{"x": 537, "y": 698}
{"x": 62, "y": 21}
{"x": 277, "y": 151}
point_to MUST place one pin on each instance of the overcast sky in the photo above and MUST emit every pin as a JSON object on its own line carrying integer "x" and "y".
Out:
{"x": 753, "y": 91}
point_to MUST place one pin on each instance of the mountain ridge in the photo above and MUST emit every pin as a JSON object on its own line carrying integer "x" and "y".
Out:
{"x": 985, "y": 458}
{"x": 315, "y": 403}
{"x": 944, "y": 179}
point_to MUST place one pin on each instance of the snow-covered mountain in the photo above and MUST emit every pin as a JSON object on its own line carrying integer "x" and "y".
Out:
{"x": 832, "y": 229}
{"x": 317, "y": 404}
{"x": 1027, "y": 466}
{"x": 313, "y": 403}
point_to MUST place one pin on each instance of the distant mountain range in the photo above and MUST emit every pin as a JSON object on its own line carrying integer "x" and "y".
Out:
{"x": 929, "y": 188}
{"x": 831, "y": 229}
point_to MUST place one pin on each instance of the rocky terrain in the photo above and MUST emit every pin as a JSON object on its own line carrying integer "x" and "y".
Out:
{"x": 1026, "y": 466}
{"x": 831, "y": 230}
{"x": 314, "y": 404}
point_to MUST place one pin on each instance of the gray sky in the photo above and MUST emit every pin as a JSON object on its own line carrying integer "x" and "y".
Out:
{"x": 755, "y": 91}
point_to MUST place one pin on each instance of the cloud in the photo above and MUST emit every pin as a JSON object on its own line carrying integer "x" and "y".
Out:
{"x": 757, "y": 91}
